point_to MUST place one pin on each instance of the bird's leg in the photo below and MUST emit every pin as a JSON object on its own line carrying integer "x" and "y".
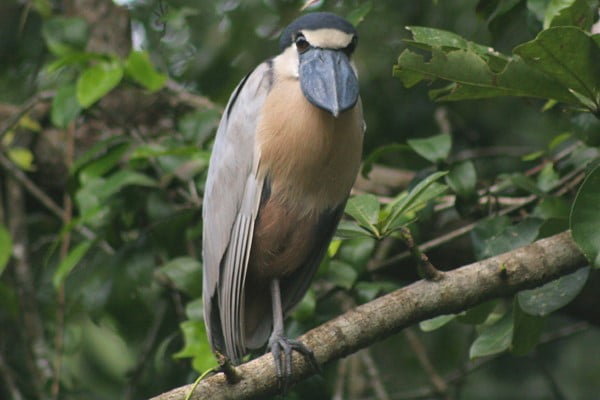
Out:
{"x": 282, "y": 347}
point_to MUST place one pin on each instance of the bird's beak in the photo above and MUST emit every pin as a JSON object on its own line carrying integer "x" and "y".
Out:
{"x": 328, "y": 80}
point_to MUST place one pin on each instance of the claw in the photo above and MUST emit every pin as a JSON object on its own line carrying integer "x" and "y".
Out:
{"x": 282, "y": 348}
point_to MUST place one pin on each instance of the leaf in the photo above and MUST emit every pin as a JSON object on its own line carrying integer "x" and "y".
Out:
{"x": 97, "y": 80}
{"x": 434, "y": 148}
{"x": 123, "y": 178}
{"x": 70, "y": 261}
{"x": 376, "y": 154}
{"x": 478, "y": 314}
{"x": 194, "y": 310}
{"x": 65, "y": 107}
{"x": 305, "y": 310}
{"x": 139, "y": 67}
{"x": 462, "y": 178}
{"x": 365, "y": 210}
{"x": 351, "y": 230}
{"x": 418, "y": 196}
{"x": 436, "y": 322}
{"x": 527, "y": 330}
{"x": 585, "y": 217}
{"x": 196, "y": 346}
{"x": 553, "y": 295}
{"x": 22, "y": 157}
{"x": 64, "y": 35}
{"x": 341, "y": 274}
{"x": 367, "y": 291}
{"x": 510, "y": 238}
{"x": 526, "y": 183}
{"x": 5, "y": 248}
{"x": 570, "y": 57}
{"x": 357, "y": 252}
{"x": 358, "y": 14}
{"x": 475, "y": 74}
{"x": 103, "y": 163}
{"x": 548, "y": 178}
{"x": 493, "y": 339}
{"x": 184, "y": 273}
{"x": 570, "y": 12}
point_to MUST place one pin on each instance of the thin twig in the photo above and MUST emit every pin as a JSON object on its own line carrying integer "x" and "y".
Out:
{"x": 9, "y": 379}
{"x": 547, "y": 374}
{"x": 28, "y": 105}
{"x": 425, "y": 267}
{"x": 46, "y": 201}
{"x": 191, "y": 99}
{"x": 375, "y": 377}
{"x": 146, "y": 350}
{"x": 64, "y": 251}
{"x": 437, "y": 382}
{"x": 457, "y": 376}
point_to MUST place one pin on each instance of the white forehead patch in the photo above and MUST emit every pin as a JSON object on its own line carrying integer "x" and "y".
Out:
{"x": 328, "y": 38}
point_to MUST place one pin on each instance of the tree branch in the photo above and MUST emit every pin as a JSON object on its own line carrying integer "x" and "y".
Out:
{"x": 503, "y": 275}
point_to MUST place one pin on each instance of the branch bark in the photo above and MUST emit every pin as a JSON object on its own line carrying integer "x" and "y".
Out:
{"x": 503, "y": 275}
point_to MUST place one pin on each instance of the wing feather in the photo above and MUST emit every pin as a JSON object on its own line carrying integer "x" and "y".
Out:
{"x": 231, "y": 201}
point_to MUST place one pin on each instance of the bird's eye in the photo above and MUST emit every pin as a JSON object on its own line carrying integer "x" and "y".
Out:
{"x": 301, "y": 43}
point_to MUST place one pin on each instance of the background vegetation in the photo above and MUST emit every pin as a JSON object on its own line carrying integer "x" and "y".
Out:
{"x": 483, "y": 136}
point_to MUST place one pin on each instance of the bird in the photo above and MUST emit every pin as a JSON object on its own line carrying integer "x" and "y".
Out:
{"x": 286, "y": 154}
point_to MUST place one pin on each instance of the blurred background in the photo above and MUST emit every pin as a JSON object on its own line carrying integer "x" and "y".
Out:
{"x": 104, "y": 276}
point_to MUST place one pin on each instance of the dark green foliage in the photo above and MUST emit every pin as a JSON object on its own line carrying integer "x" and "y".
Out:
{"x": 502, "y": 142}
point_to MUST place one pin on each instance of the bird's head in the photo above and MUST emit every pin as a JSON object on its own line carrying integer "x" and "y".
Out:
{"x": 317, "y": 50}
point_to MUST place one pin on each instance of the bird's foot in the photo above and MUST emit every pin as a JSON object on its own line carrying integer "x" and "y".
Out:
{"x": 282, "y": 348}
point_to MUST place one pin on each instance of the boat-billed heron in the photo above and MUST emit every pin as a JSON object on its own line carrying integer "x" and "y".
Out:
{"x": 286, "y": 154}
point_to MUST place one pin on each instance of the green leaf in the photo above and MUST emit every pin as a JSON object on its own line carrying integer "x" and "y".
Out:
{"x": 65, "y": 107}
{"x": 436, "y": 322}
{"x": 462, "y": 178}
{"x": 196, "y": 346}
{"x": 476, "y": 74}
{"x": 5, "y": 248}
{"x": 493, "y": 339}
{"x": 358, "y": 14}
{"x": 305, "y": 310}
{"x": 65, "y": 34}
{"x": 194, "y": 310}
{"x": 570, "y": 12}
{"x": 526, "y": 183}
{"x": 341, "y": 274}
{"x": 97, "y": 80}
{"x": 527, "y": 330}
{"x": 478, "y": 314}
{"x": 351, "y": 230}
{"x": 397, "y": 211}
{"x": 123, "y": 178}
{"x": 509, "y": 238}
{"x": 367, "y": 291}
{"x": 184, "y": 273}
{"x": 139, "y": 67}
{"x": 552, "y": 207}
{"x": 22, "y": 157}
{"x": 70, "y": 261}
{"x": 365, "y": 210}
{"x": 548, "y": 178}
{"x": 585, "y": 217}
{"x": 434, "y": 148}
{"x": 379, "y": 152}
{"x": 570, "y": 57}
{"x": 357, "y": 252}
{"x": 553, "y": 295}
{"x": 104, "y": 163}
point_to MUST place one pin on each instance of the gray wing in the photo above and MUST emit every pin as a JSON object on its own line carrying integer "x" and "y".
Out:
{"x": 231, "y": 201}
